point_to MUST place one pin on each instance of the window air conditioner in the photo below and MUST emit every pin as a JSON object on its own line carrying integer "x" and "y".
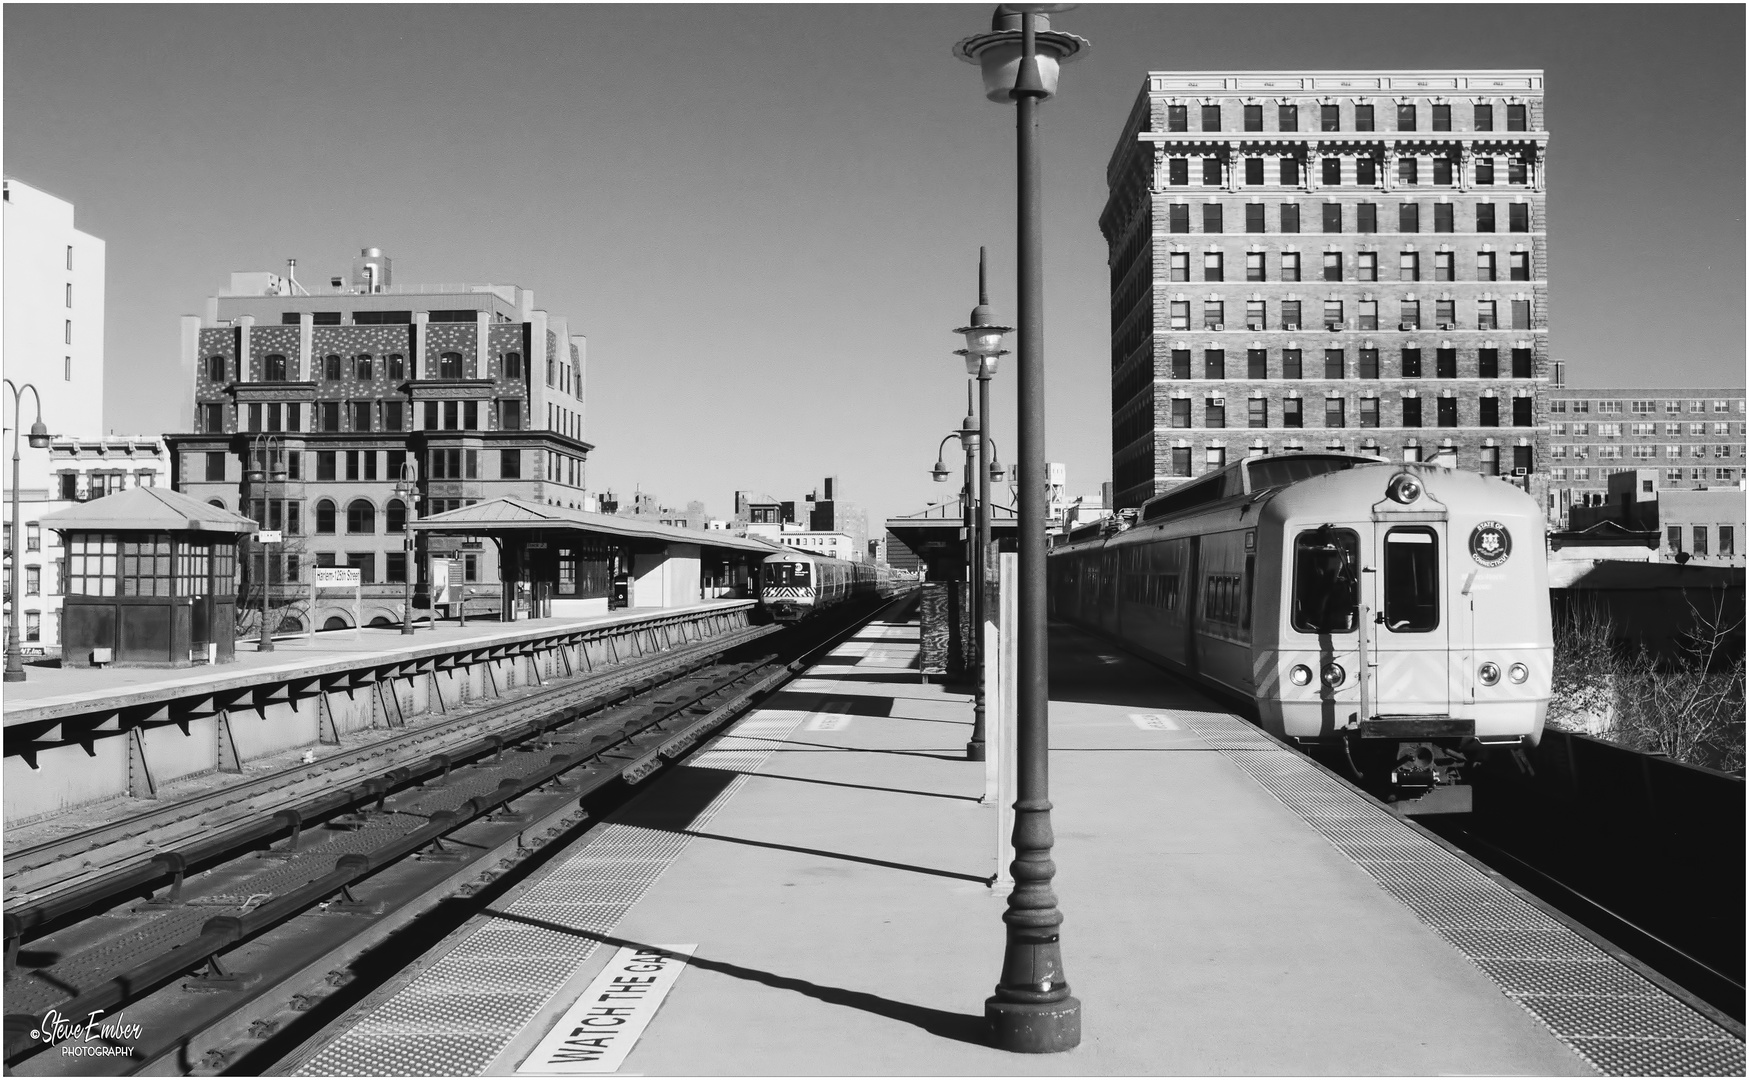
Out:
{"x": 1290, "y": 326}
{"x": 1254, "y": 326}
{"x": 1408, "y": 326}
{"x": 1520, "y": 471}
{"x": 1448, "y": 326}
{"x": 1333, "y": 326}
{"x": 1217, "y": 326}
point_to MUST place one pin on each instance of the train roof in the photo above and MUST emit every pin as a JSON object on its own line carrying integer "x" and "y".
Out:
{"x": 1249, "y": 476}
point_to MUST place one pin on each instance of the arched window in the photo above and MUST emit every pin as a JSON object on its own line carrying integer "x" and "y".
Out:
{"x": 362, "y": 367}
{"x": 361, "y": 517}
{"x": 395, "y": 516}
{"x": 335, "y": 622}
{"x": 273, "y": 368}
{"x": 220, "y": 503}
{"x": 449, "y": 365}
{"x": 331, "y": 367}
{"x": 215, "y": 369}
{"x": 513, "y": 365}
{"x": 325, "y": 516}
{"x": 397, "y": 366}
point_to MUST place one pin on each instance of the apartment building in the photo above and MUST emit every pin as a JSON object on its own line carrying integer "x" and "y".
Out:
{"x": 469, "y": 392}
{"x": 1311, "y": 260}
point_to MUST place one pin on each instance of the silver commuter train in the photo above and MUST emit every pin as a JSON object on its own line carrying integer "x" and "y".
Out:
{"x": 1268, "y": 580}
{"x": 796, "y": 584}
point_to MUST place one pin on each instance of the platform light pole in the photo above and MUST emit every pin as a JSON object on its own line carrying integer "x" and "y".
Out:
{"x": 1031, "y": 1010}
{"x": 983, "y": 346}
{"x": 407, "y": 488}
{"x": 267, "y": 448}
{"x": 39, "y": 439}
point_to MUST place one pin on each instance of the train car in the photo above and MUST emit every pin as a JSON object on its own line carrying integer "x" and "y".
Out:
{"x": 795, "y": 584}
{"x": 1271, "y": 580}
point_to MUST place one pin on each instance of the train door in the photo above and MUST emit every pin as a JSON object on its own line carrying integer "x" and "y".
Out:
{"x": 1190, "y": 600}
{"x": 1410, "y": 634}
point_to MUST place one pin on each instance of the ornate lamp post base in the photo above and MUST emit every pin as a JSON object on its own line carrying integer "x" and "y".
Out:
{"x": 1041, "y": 1028}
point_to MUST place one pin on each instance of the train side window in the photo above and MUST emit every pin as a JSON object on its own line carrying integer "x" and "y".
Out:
{"x": 1411, "y": 580}
{"x": 1326, "y": 596}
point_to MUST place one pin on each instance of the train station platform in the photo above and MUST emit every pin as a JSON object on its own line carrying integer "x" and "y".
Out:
{"x": 811, "y": 896}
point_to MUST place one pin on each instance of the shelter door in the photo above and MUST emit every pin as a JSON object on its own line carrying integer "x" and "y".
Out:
{"x": 1410, "y": 634}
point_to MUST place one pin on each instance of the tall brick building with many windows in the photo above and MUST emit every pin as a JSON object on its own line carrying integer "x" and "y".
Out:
{"x": 472, "y": 383}
{"x": 1309, "y": 260}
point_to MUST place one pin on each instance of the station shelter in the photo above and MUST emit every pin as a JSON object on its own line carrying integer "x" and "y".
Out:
{"x": 557, "y": 561}
{"x": 942, "y": 537}
{"x": 938, "y": 535}
{"x": 150, "y": 580}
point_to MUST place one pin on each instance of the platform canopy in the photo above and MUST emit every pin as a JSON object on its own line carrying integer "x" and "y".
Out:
{"x": 937, "y": 535}
{"x": 149, "y": 509}
{"x": 510, "y": 514}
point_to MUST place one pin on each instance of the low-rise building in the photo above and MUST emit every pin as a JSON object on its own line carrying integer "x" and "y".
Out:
{"x": 1680, "y": 524}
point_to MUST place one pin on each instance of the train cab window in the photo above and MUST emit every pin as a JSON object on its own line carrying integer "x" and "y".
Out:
{"x": 1326, "y": 581}
{"x": 786, "y": 574}
{"x": 1411, "y": 580}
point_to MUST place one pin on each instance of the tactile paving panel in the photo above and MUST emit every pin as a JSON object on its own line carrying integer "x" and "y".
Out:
{"x": 1619, "y": 1022}
{"x": 459, "y": 1014}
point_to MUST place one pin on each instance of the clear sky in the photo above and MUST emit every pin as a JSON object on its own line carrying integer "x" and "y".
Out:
{"x": 766, "y": 218}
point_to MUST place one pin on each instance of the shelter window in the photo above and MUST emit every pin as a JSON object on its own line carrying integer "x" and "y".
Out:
{"x": 1326, "y": 594}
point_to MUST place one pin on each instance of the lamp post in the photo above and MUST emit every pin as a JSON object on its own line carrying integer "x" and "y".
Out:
{"x": 983, "y": 346}
{"x": 1031, "y": 1010}
{"x": 268, "y": 449}
{"x": 407, "y": 487}
{"x": 39, "y": 438}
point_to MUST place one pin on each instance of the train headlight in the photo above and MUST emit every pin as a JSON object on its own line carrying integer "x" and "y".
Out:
{"x": 1489, "y": 673}
{"x": 1518, "y": 673}
{"x": 1300, "y": 675}
{"x": 1403, "y": 488}
{"x": 1334, "y": 675}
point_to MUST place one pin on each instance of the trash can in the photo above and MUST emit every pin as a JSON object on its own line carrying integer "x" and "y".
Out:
{"x": 622, "y": 593}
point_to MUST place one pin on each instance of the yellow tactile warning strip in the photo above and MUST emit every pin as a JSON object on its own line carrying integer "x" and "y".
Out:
{"x": 1617, "y": 1021}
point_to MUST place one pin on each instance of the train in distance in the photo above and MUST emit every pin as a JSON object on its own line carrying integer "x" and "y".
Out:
{"x": 1391, "y": 617}
{"x": 796, "y": 584}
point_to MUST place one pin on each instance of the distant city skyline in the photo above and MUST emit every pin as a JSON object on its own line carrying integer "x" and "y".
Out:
{"x": 766, "y": 219}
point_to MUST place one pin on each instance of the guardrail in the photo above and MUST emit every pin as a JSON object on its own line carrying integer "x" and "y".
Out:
{"x": 68, "y": 753}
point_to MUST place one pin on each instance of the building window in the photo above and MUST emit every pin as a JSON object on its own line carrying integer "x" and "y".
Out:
{"x": 395, "y": 567}
{"x": 1484, "y": 266}
{"x": 1254, "y": 266}
{"x": 1445, "y": 363}
{"x": 510, "y": 415}
{"x": 1180, "y": 412}
{"x": 449, "y": 365}
{"x": 1485, "y": 178}
{"x": 1214, "y": 413}
{"x": 360, "y": 415}
{"x": 1216, "y": 457}
{"x": 1334, "y": 413}
{"x": 1515, "y": 118}
{"x": 510, "y": 464}
{"x": 1488, "y": 363}
{"x": 1332, "y": 217}
{"x": 325, "y": 462}
{"x": 361, "y": 517}
{"x": 1257, "y": 363}
{"x": 1442, "y": 118}
{"x": 33, "y": 626}
{"x": 1254, "y": 218}
{"x": 1214, "y": 363}
{"x": 1329, "y": 118}
{"x": 1366, "y": 264}
{"x": 1520, "y": 265}
{"x": 1366, "y": 218}
{"x": 1254, "y": 172}
{"x": 1518, "y": 217}
{"x": 1333, "y": 266}
{"x": 1522, "y": 409}
{"x": 1292, "y": 413}
{"x": 1409, "y": 266}
{"x": 1490, "y": 412}
{"x": 1178, "y": 217}
{"x": 330, "y": 414}
{"x": 1292, "y": 363}
{"x": 1178, "y": 171}
{"x": 1406, "y": 117}
{"x": 1409, "y": 218}
{"x": 1178, "y": 265}
{"x": 1484, "y": 118}
{"x": 1288, "y": 171}
{"x": 1335, "y": 365}
{"x": 365, "y": 562}
{"x": 1408, "y": 170}
{"x": 1258, "y": 410}
{"x": 69, "y": 334}
{"x": 254, "y": 416}
{"x": 1727, "y": 538}
{"x": 1214, "y": 315}
{"x": 1363, "y": 118}
{"x": 331, "y": 367}
{"x": 1411, "y": 363}
{"x": 394, "y": 416}
{"x": 1179, "y": 311}
{"x": 1253, "y": 118}
{"x": 1443, "y": 269}
{"x": 1180, "y": 363}
{"x": 395, "y": 517}
{"x": 1369, "y": 412}
{"x": 1256, "y": 316}
{"x": 1211, "y": 172}
{"x": 215, "y": 369}
{"x": 1332, "y": 175}
{"x": 1411, "y": 412}
{"x": 33, "y": 581}
{"x": 1700, "y": 540}
{"x": 1448, "y": 412}
{"x": 1290, "y": 266}
{"x": 273, "y": 368}
{"x": 1332, "y": 314}
{"x": 1409, "y": 314}
{"x": 1288, "y": 118}
{"x": 1521, "y": 314}
{"x": 1177, "y": 118}
{"x": 1212, "y": 262}
{"x": 1211, "y": 218}
{"x": 324, "y": 516}
{"x": 1369, "y": 363}
{"x": 1290, "y": 217}
{"x": 1445, "y": 314}
{"x": 1211, "y": 118}
{"x": 1442, "y": 217}
{"x": 1486, "y": 316}
{"x": 1290, "y": 314}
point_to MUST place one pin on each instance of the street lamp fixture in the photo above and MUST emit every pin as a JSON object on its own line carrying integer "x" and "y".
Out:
{"x": 1031, "y": 1010}
{"x": 407, "y": 488}
{"x": 39, "y": 439}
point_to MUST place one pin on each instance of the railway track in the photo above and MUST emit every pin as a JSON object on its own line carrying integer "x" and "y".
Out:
{"x": 248, "y": 927}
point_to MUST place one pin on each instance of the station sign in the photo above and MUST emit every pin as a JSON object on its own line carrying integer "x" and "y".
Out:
{"x": 267, "y": 536}
{"x": 337, "y": 577}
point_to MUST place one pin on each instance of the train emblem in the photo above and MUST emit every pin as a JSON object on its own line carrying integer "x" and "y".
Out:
{"x": 1490, "y": 544}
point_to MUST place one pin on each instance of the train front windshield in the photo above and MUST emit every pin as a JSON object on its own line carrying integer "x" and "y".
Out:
{"x": 786, "y": 574}
{"x": 1326, "y": 581}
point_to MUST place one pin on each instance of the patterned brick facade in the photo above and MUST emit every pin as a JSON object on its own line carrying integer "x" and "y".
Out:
{"x": 1312, "y": 260}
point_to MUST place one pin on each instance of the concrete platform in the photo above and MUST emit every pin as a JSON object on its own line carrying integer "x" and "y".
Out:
{"x": 49, "y": 689}
{"x": 827, "y": 861}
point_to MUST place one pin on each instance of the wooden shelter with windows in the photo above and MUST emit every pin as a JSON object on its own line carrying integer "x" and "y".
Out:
{"x": 150, "y": 580}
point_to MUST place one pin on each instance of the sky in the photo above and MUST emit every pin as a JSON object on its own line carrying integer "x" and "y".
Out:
{"x": 767, "y": 218}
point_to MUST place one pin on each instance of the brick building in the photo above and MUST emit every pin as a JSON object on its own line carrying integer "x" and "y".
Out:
{"x": 1693, "y": 437}
{"x": 1308, "y": 260}
{"x": 482, "y": 391}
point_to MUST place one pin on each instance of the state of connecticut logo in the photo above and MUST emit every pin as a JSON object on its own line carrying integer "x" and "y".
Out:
{"x": 1490, "y": 543}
